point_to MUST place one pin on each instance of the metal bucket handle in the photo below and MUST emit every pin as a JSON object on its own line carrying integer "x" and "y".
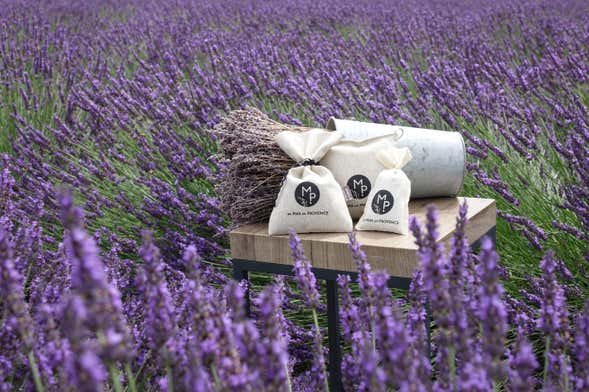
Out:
{"x": 331, "y": 125}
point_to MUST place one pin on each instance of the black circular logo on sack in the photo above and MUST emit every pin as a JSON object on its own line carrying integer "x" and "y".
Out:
{"x": 359, "y": 185}
{"x": 383, "y": 202}
{"x": 307, "y": 194}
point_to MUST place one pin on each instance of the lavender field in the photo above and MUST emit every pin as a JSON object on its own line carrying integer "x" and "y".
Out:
{"x": 113, "y": 246}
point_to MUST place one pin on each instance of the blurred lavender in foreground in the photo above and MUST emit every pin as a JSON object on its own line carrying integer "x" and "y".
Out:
{"x": 189, "y": 335}
{"x": 307, "y": 284}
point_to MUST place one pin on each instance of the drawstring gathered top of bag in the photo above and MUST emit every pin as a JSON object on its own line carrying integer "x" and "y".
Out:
{"x": 310, "y": 199}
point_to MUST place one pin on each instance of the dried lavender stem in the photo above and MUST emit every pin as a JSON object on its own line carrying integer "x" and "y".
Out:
{"x": 254, "y": 164}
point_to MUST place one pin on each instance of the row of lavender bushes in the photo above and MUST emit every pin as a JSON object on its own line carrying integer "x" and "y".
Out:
{"x": 79, "y": 322}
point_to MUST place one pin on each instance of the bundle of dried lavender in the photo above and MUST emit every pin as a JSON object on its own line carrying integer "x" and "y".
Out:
{"x": 253, "y": 164}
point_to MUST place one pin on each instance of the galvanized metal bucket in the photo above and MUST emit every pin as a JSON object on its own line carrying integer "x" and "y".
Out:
{"x": 438, "y": 166}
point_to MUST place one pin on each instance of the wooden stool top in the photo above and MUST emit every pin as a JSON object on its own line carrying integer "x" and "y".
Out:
{"x": 393, "y": 252}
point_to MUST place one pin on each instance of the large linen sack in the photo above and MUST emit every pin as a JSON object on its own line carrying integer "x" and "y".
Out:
{"x": 355, "y": 167}
{"x": 310, "y": 199}
{"x": 387, "y": 208}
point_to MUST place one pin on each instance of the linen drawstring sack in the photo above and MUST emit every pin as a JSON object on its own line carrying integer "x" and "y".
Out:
{"x": 310, "y": 199}
{"x": 387, "y": 208}
{"x": 354, "y": 165}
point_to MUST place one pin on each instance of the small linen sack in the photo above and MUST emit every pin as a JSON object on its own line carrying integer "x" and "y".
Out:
{"x": 354, "y": 165}
{"x": 387, "y": 208}
{"x": 310, "y": 199}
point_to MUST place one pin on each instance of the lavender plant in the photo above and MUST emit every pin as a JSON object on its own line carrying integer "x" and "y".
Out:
{"x": 114, "y": 99}
{"x": 307, "y": 284}
{"x": 178, "y": 332}
{"x": 122, "y": 117}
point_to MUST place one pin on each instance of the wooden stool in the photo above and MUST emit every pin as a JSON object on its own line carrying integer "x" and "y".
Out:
{"x": 254, "y": 250}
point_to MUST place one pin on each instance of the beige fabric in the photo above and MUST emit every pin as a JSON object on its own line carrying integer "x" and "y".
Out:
{"x": 312, "y": 144}
{"x": 354, "y": 165}
{"x": 387, "y": 208}
{"x": 310, "y": 199}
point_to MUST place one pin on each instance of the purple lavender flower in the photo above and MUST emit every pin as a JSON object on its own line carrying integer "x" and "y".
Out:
{"x": 491, "y": 312}
{"x": 458, "y": 280}
{"x": 53, "y": 349}
{"x": 305, "y": 278}
{"x": 216, "y": 342}
{"x": 7, "y": 196}
{"x": 473, "y": 375}
{"x": 15, "y": 309}
{"x": 160, "y": 318}
{"x": 355, "y": 333}
{"x": 415, "y": 228}
{"x": 89, "y": 282}
{"x": 349, "y": 316}
{"x": 522, "y": 364}
{"x": 581, "y": 351}
{"x": 530, "y": 230}
{"x": 192, "y": 261}
{"x": 235, "y": 297}
{"x": 246, "y": 336}
{"x": 232, "y": 372}
{"x": 364, "y": 280}
{"x": 201, "y": 342}
{"x": 275, "y": 375}
{"x": 553, "y": 322}
{"x": 436, "y": 287}
{"x": 392, "y": 338}
{"x": 197, "y": 378}
{"x": 307, "y": 284}
{"x": 416, "y": 324}
{"x": 17, "y": 322}
{"x": 84, "y": 368}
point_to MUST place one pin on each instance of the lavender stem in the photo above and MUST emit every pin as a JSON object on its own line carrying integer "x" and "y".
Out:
{"x": 325, "y": 379}
{"x": 169, "y": 377}
{"x": 130, "y": 378}
{"x": 35, "y": 371}
{"x": 115, "y": 376}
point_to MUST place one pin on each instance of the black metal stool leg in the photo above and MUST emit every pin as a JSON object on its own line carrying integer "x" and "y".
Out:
{"x": 240, "y": 274}
{"x": 493, "y": 235}
{"x": 335, "y": 356}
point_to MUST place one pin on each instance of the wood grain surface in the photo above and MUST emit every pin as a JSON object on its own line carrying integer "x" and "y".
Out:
{"x": 393, "y": 252}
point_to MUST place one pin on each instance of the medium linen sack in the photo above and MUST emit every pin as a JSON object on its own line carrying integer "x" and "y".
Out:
{"x": 387, "y": 208}
{"x": 310, "y": 199}
{"x": 354, "y": 165}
